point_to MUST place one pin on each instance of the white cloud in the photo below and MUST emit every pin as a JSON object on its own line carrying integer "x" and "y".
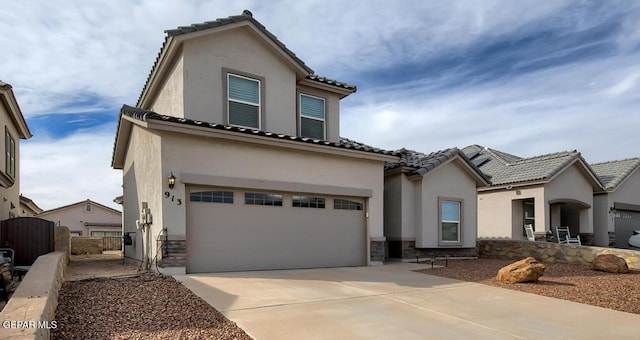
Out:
{"x": 59, "y": 172}
{"x": 548, "y": 111}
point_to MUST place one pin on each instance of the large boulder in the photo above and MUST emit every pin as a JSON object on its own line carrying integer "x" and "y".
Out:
{"x": 610, "y": 263}
{"x": 527, "y": 270}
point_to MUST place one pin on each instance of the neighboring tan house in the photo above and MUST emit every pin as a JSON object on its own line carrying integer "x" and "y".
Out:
{"x": 86, "y": 219}
{"x": 28, "y": 208}
{"x": 618, "y": 207}
{"x": 15, "y": 128}
{"x": 546, "y": 191}
{"x": 248, "y": 136}
{"x": 430, "y": 204}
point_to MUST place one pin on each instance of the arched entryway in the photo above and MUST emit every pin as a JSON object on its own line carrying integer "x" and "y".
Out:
{"x": 574, "y": 214}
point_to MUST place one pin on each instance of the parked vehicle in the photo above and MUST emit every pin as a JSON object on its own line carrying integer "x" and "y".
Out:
{"x": 634, "y": 240}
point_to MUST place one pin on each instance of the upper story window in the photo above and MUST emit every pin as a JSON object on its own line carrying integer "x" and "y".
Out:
{"x": 244, "y": 102}
{"x": 312, "y": 117}
{"x": 88, "y": 208}
{"x": 10, "y": 154}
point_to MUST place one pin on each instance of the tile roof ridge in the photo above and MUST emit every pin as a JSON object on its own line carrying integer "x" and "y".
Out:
{"x": 552, "y": 155}
{"x": 636, "y": 159}
{"x": 495, "y": 153}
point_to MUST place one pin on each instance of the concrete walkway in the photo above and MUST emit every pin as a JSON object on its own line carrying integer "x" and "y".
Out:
{"x": 391, "y": 301}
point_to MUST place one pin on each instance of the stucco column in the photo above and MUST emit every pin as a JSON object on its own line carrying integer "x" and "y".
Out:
{"x": 542, "y": 213}
{"x": 586, "y": 221}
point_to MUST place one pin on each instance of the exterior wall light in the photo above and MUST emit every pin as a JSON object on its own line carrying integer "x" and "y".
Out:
{"x": 172, "y": 181}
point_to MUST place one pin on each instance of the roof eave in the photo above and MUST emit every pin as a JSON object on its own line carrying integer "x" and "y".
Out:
{"x": 339, "y": 90}
{"x": 262, "y": 140}
{"x": 15, "y": 113}
{"x": 121, "y": 143}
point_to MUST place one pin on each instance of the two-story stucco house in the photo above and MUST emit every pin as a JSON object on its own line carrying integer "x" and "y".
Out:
{"x": 431, "y": 205}
{"x": 232, "y": 159}
{"x": 15, "y": 128}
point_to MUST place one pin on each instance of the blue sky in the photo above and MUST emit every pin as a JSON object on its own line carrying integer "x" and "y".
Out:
{"x": 525, "y": 77}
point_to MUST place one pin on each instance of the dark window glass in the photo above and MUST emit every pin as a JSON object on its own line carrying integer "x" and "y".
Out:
{"x": 346, "y": 204}
{"x": 308, "y": 202}
{"x": 212, "y": 197}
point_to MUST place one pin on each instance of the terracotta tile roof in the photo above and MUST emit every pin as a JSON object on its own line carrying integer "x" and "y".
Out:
{"x": 422, "y": 163}
{"x": 613, "y": 173}
{"x": 344, "y": 143}
{"x": 245, "y": 16}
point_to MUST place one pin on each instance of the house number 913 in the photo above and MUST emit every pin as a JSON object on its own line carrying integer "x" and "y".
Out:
{"x": 173, "y": 198}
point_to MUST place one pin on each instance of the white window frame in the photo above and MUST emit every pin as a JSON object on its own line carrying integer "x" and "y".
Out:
{"x": 324, "y": 120}
{"x": 259, "y": 105}
{"x": 460, "y": 203}
{"x": 10, "y": 153}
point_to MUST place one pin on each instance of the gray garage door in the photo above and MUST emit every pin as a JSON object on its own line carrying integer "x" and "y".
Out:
{"x": 626, "y": 221}
{"x": 235, "y": 230}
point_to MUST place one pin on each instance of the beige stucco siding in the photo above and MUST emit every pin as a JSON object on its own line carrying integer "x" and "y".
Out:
{"x": 12, "y": 193}
{"x": 170, "y": 99}
{"x": 400, "y": 207}
{"x": 184, "y": 154}
{"x": 603, "y": 222}
{"x": 629, "y": 191}
{"x": 142, "y": 183}
{"x": 240, "y": 50}
{"x": 448, "y": 181}
{"x": 571, "y": 184}
{"x": 75, "y": 217}
{"x": 500, "y": 212}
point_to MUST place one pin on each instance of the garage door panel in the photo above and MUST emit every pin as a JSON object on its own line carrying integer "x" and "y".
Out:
{"x": 226, "y": 237}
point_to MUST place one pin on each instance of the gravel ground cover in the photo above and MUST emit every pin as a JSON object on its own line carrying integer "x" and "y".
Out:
{"x": 571, "y": 282}
{"x": 145, "y": 306}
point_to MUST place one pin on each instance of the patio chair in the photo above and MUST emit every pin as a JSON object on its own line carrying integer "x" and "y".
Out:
{"x": 529, "y": 229}
{"x": 8, "y": 255}
{"x": 564, "y": 236}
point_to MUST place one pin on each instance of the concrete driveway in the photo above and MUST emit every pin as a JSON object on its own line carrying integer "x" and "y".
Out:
{"x": 391, "y": 301}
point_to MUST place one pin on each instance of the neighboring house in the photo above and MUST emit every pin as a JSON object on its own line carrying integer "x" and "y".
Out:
{"x": 86, "y": 219}
{"x": 233, "y": 160}
{"x": 430, "y": 204}
{"x": 618, "y": 207}
{"x": 28, "y": 208}
{"x": 15, "y": 128}
{"x": 545, "y": 191}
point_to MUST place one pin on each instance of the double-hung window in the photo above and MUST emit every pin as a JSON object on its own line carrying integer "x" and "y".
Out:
{"x": 312, "y": 117}
{"x": 10, "y": 153}
{"x": 244, "y": 102}
{"x": 450, "y": 221}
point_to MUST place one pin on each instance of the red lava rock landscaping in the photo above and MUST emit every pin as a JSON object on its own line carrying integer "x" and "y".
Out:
{"x": 148, "y": 306}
